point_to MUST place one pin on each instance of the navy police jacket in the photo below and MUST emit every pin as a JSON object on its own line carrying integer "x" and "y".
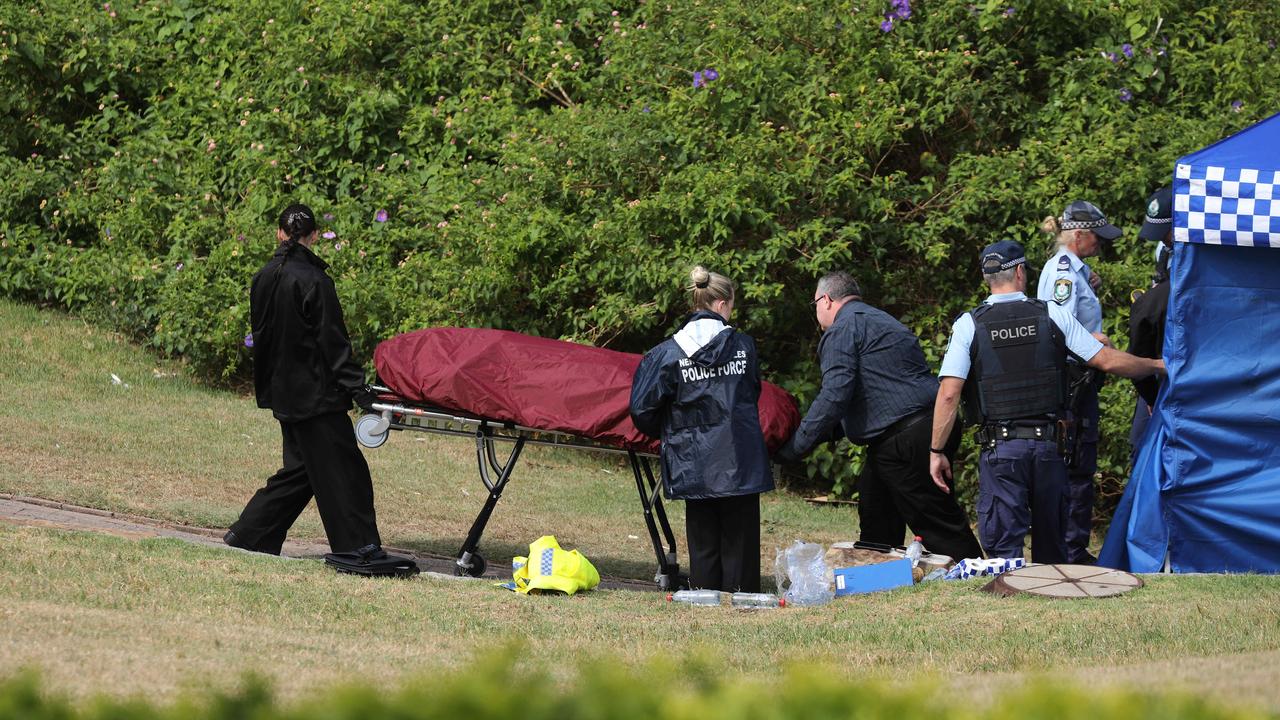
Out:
{"x": 698, "y": 391}
{"x": 302, "y": 360}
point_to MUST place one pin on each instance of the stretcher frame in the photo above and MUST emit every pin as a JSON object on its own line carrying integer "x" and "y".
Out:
{"x": 393, "y": 412}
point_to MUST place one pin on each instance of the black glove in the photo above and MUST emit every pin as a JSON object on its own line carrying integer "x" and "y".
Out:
{"x": 786, "y": 455}
{"x": 364, "y": 398}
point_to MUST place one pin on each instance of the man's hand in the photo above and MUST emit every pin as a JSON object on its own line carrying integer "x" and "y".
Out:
{"x": 786, "y": 455}
{"x": 1095, "y": 281}
{"x": 1106, "y": 341}
{"x": 940, "y": 471}
{"x": 364, "y": 399}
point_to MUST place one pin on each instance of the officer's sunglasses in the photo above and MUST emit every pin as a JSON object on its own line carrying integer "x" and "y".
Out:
{"x": 814, "y": 302}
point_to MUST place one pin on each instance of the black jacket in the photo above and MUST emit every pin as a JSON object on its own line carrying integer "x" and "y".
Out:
{"x": 704, "y": 408}
{"x": 873, "y": 375}
{"x": 1146, "y": 334}
{"x": 302, "y": 364}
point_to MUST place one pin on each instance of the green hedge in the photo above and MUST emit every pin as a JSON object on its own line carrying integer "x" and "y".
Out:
{"x": 554, "y": 168}
{"x": 497, "y": 689}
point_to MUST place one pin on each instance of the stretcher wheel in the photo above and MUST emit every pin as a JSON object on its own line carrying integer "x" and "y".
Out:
{"x": 478, "y": 566}
{"x": 371, "y": 430}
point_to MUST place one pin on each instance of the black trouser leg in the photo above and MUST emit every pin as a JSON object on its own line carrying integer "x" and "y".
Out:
{"x": 340, "y": 480}
{"x": 740, "y": 543}
{"x": 702, "y": 528}
{"x": 878, "y": 518}
{"x": 271, "y": 511}
{"x": 901, "y": 462}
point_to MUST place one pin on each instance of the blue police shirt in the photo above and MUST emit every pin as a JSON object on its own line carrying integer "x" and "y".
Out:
{"x": 956, "y": 362}
{"x": 1064, "y": 281}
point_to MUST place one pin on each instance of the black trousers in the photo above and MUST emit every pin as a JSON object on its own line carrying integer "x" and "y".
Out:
{"x": 724, "y": 543}
{"x": 895, "y": 491}
{"x": 321, "y": 460}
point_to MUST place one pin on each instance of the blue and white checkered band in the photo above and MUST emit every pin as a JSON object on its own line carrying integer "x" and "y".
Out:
{"x": 992, "y": 264}
{"x": 1159, "y": 221}
{"x": 547, "y": 565}
{"x": 1226, "y": 206}
{"x": 1066, "y": 224}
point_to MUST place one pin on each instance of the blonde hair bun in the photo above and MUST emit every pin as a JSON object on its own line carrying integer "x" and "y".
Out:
{"x": 700, "y": 276}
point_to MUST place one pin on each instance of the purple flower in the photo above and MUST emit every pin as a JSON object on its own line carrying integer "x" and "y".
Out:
{"x": 1125, "y": 95}
{"x": 380, "y": 216}
{"x": 179, "y": 266}
{"x": 109, "y": 229}
{"x": 710, "y": 74}
{"x": 248, "y": 339}
{"x": 329, "y": 235}
{"x": 1127, "y": 50}
{"x": 901, "y": 9}
{"x": 1237, "y": 105}
{"x": 698, "y": 81}
{"x": 1008, "y": 12}
{"x": 328, "y": 217}
{"x": 887, "y": 25}
{"x": 1110, "y": 56}
{"x": 645, "y": 109}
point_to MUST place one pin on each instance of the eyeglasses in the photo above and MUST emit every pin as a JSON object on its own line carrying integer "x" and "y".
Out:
{"x": 814, "y": 302}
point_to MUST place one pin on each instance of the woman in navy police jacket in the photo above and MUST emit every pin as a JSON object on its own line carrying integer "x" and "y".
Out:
{"x": 698, "y": 392}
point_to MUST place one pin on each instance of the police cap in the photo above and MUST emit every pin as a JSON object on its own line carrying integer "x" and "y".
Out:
{"x": 1159, "y": 220}
{"x": 1001, "y": 256}
{"x": 1081, "y": 215}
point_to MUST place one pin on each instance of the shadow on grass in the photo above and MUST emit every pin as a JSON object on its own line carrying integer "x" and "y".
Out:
{"x": 498, "y": 555}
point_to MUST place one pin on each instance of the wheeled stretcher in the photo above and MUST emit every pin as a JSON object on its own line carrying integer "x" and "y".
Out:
{"x": 394, "y": 412}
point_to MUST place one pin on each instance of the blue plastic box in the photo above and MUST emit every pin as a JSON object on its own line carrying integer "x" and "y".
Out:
{"x": 872, "y": 578}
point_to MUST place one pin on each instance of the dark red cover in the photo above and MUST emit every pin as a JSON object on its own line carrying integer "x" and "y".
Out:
{"x": 539, "y": 383}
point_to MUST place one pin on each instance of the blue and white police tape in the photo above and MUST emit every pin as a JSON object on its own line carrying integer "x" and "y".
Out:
{"x": 978, "y": 567}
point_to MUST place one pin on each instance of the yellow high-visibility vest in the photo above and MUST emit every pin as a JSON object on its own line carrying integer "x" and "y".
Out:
{"x": 549, "y": 568}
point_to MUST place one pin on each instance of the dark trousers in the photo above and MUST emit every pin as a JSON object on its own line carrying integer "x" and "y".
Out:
{"x": 1020, "y": 488}
{"x": 1079, "y": 526}
{"x": 724, "y": 543}
{"x": 321, "y": 460}
{"x": 895, "y": 491}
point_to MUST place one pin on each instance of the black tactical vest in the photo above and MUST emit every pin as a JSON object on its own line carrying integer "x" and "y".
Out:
{"x": 1018, "y": 364}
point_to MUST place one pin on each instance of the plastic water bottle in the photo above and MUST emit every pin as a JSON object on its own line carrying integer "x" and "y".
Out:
{"x": 696, "y": 597}
{"x": 756, "y": 600}
{"x": 914, "y": 551}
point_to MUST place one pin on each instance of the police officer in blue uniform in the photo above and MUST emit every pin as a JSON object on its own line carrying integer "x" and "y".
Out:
{"x": 1069, "y": 283}
{"x": 698, "y": 391}
{"x": 1007, "y": 358}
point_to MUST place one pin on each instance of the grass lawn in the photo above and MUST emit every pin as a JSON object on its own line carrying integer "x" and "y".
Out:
{"x": 105, "y": 614}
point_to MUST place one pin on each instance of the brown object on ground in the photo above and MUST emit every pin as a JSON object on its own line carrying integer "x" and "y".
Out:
{"x": 1064, "y": 581}
{"x": 829, "y": 500}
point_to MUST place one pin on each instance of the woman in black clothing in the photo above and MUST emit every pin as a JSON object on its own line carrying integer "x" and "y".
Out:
{"x": 698, "y": 391}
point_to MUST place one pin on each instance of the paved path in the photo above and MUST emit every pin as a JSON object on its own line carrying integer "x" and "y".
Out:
{"x": 20, "y": 510}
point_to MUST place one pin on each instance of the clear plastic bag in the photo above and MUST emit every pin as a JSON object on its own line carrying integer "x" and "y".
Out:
{"x": 802, "y": 574}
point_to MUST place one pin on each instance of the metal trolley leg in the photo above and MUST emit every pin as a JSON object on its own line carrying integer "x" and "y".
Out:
{"x": 655, "y": 517}
{"x": 470, "y": 562}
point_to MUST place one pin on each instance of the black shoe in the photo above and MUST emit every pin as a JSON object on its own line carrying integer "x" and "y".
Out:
{"x": 233, "y": 540}
{"x": 1085, "y": 558}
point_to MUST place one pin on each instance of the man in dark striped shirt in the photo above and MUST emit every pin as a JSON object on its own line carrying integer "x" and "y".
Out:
{"x": 878, "y": 391}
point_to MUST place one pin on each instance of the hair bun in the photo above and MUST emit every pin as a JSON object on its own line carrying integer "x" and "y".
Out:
{"x": 700, "y": 277}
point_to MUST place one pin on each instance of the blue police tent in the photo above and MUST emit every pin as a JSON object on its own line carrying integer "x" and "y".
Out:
{"x": 1205, "y": 491}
